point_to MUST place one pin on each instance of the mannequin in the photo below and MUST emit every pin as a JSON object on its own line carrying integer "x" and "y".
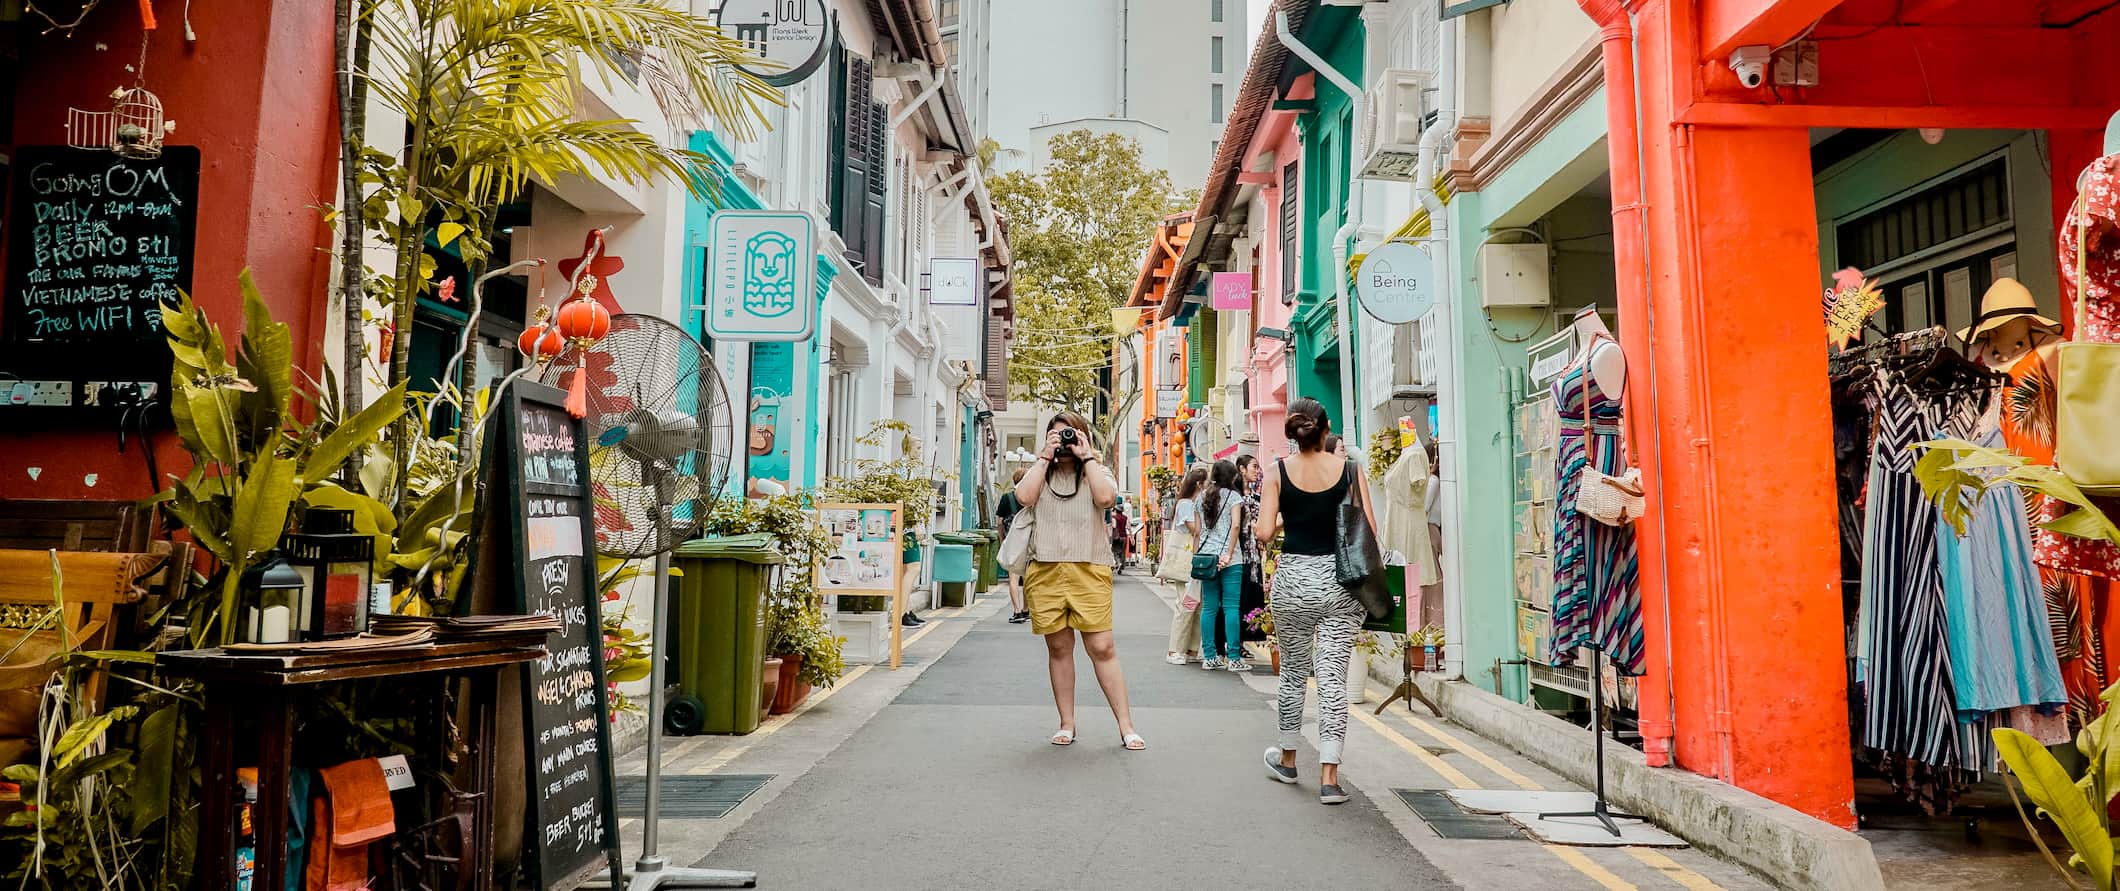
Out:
{"x": 1608, "y": 363}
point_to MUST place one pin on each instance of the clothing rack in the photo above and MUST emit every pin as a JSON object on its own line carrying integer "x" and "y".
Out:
{"x": 1932, "y": 338}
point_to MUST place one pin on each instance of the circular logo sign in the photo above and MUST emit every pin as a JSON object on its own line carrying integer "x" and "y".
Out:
{"x": 1396, "y": 283}
{"x": 787, "y": 37}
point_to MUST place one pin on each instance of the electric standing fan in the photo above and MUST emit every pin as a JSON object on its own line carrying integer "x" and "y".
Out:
{"x": 662, "y": 437}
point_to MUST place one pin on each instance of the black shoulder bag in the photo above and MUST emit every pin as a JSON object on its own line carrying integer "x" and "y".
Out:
{"x": 1358, "y": 561}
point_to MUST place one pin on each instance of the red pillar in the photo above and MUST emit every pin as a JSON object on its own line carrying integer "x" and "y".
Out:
{"x": 1732, "y": 357}
{"x": 255, "y": 94}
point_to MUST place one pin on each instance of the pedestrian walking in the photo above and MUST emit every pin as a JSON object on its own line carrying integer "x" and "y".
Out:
{"x": 1119, "y": 533}
{"x": 1004, "y": 512}
{"x": 1221, "y": 591}
{"x": 1176, "y": 568}
{"x": 1315, "y": 617}
{"x": 1068, "y": 585}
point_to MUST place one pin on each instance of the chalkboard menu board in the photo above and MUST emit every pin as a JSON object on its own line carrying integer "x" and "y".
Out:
{"x": 538, "y": 462}
{"x": 96, "y": 242}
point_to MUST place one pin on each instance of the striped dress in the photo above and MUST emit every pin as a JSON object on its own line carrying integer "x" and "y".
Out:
{"x": 1596, "y": 601}
{"x": 1909, "y": 720}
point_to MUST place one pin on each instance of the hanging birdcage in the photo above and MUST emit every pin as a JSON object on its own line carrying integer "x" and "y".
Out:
{"x": 133, "y": 127}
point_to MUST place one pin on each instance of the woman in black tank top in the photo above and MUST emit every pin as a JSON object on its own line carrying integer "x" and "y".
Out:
{"x": 1315, "y": 619}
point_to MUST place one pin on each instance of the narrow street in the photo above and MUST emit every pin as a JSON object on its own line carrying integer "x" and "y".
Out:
{"x": 950, "y": 784}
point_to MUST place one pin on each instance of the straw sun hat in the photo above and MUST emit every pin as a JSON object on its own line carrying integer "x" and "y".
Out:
{"x": 2006, "y": 299}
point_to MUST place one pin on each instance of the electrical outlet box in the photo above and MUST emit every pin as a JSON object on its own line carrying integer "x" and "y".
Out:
{"x": 1514, "y": 275}
{"x": 38, "y": 393}
{"x": 118, "y": 394}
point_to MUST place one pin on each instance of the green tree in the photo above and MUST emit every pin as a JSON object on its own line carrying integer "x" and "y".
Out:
{"x": 1078, "y": 228}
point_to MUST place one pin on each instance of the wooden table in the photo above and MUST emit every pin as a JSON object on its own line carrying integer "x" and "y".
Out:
{"x": 240, "y": 685}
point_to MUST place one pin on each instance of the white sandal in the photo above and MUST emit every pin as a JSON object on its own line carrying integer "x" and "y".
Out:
{"x": 1064, "y": 738}
{"x": 1132, "y": 742}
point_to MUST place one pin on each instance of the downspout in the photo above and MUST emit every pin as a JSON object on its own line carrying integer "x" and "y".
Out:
{"x": 1631, "y": 263}
{"x": 934, "y": 86}
{"x": 1349, "y": 429}
{"x": 1431, "y": 148}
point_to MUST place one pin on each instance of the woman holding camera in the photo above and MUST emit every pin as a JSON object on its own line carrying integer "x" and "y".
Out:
{"x": 1068, "y": 586}
{"x": 1315, "y": 618}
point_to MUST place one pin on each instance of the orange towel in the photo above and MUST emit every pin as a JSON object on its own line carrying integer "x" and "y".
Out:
{"x": 354, "y": 811}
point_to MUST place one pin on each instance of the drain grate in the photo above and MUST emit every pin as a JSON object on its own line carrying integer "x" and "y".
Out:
{"x": 690, "y": 797}
{"x": 1450, "y": 821}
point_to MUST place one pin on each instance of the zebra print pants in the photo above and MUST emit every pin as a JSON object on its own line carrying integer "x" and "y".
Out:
{"x": 1315, "y": 622}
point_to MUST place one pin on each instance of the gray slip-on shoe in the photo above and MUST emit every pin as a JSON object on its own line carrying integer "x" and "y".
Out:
{"x": 1275, "y": 769}
{"x": 1332, "y": 795}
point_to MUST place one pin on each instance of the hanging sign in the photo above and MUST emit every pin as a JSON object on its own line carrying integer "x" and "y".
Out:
{"x": 953, "y": 281}
{"x": 1231, "y": 291}
{"x": 788, "y": 39}
{"x": 761, "y": 276}
{"x": 539, "y": 459}
{"x": 1395, "y": 283}
{"x": 1168, "y": 401}
{"x": 1849, "y": 303}
{"x": 96, "y": 242}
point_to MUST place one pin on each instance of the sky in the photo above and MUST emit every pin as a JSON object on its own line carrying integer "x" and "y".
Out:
{"x": 1257, "y": 15}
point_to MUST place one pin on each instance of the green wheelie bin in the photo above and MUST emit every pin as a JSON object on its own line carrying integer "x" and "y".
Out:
{"x": 989, "y": 565}
{"x": 718, "y": 633}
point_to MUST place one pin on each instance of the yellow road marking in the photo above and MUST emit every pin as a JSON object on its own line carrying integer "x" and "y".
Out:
{"x": 1672, "y": 870}
{"x": 1482, "y": 758}
{"x": 1450, "y": 774}
{"x": 1583, "y": 864}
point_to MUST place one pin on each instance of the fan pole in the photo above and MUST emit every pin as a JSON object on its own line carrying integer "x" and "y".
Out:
{"x": 651, "y": 871}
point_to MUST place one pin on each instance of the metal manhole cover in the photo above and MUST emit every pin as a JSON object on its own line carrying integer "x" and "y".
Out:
{"x": 1450, "y": 821}
{"x": 690, "y": 796}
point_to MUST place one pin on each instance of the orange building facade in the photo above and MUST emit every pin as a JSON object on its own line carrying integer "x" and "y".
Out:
{"x": 1716, "y": 240}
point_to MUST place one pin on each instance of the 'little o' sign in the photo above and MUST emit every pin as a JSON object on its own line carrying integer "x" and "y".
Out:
{"x": 1396, "y": 283}
{"x": 790, "y": 35}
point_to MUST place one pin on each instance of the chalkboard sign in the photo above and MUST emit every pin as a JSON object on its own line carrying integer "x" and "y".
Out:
{"x": 538, "y": 460}
{"x": 96, "y": 242}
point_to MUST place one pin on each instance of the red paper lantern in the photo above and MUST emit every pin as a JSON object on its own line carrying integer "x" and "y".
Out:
{"x": 584, "y": 320}
{"x": 540, "y": 341}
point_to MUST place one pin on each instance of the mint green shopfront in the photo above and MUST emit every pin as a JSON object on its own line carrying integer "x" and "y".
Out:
{"x": 1326, "y": 127}
{"x": 1494, "y": 551}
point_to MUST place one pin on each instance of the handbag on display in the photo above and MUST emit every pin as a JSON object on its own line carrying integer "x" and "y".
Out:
{"x": 1014, "y": 554}
{"x": 1358, "y": 561}
{"x": 1611, "y": 500}
{"x": 2087, "y": 395}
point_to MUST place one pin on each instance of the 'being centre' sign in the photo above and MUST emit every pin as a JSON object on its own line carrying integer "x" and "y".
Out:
{"x": 788, "y": 38}
{"x": 1396, "y": 282}
{"x": 761, "y": 276}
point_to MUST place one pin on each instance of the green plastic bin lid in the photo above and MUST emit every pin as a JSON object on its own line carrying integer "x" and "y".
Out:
{"x": 958, "y": 538}
{"x": 754, "y": 547}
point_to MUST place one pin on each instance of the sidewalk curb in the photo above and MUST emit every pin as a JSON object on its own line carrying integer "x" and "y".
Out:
{"x": 1793, "y": 849}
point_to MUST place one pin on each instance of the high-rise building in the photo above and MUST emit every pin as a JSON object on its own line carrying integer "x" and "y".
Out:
{"x": 1171, "y": 66}
{"x": 967, "y": 39}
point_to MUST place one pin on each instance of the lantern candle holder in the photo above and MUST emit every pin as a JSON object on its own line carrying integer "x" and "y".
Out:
{"x": 271, "y": 594}
{"x": 337, "y": 567}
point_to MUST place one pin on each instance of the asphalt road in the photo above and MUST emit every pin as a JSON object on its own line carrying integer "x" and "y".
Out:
{"x": 953, "y": 785}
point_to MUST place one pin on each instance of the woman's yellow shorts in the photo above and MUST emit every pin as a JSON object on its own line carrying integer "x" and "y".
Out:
{"x": 1068, "y": 595}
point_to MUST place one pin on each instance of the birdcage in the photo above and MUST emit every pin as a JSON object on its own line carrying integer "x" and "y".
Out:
{"x": 133, "y": 126}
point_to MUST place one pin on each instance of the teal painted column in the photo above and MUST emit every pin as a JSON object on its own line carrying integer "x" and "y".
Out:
{"x": 968, "y": 469}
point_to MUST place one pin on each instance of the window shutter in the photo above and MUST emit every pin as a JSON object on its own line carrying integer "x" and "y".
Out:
{"x": 1291, "y": 207}
{"x": 994, "y": 365}
{"x": 1194, "y": 386}
{"x": 878, "y": 192}
{"x": 851, "y": 177}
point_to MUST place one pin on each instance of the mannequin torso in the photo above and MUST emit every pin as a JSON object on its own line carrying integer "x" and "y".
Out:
{"x": 1597, "y": 346}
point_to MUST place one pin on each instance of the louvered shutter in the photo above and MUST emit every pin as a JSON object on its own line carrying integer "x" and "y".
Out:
{"x": 1291, "y": 208}
{"x": 873, "y": 207}
{"x": 1195, "y": 386}
{"x": 851, "y": 177}
{"x": 994, "y": 364}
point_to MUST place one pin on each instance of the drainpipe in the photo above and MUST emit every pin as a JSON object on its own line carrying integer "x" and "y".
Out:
{"x": 1630, "y": 260}
{"x": 1349, "y": 428}
{"x": 934, "y": 86}
{"x": 1432, "y": 148}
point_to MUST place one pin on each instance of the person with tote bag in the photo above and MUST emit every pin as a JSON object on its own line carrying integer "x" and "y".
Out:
{"x": 1316, "y": 616}
{"x": 1175, "y": 568}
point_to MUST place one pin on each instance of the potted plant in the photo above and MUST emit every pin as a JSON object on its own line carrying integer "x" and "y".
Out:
{"x": 809, "y": 653}
{"x": 1261, "y": 620}
{"x": 768, "y": 686}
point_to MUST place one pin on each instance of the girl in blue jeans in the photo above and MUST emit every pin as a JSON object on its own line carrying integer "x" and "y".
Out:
{"x": 1220, "y": 594}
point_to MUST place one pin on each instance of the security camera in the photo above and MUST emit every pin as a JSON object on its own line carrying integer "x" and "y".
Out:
{"x": 1750, "y": 64}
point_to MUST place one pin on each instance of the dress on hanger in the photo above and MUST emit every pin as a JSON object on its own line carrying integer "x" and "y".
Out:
{"x": 2002, "y": 652}
{"x": 1594, "y": 565}
{"x": 1405, "y": 516}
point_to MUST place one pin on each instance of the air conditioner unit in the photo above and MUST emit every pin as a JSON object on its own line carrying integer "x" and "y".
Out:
{"x": 1394, "y": 110}
{"x": 1514, "y": 275}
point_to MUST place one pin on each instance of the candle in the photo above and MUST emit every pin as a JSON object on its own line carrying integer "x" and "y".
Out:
{"x": 273, "y": 627}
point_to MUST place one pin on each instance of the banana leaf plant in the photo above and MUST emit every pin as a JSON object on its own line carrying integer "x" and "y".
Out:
{"x": 1953, "y": 473}
{"x": 2077, "y": 806}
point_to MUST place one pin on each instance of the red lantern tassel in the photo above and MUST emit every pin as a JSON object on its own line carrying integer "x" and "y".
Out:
{"x": 578, "y": 394}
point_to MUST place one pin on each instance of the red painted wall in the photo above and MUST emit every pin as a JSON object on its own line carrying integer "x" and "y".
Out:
{"x": 255, "y": 94}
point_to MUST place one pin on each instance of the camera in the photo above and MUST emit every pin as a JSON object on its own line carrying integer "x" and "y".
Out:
{"x": 1749, "y": 63}
{"x": 1067, "y": 436}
